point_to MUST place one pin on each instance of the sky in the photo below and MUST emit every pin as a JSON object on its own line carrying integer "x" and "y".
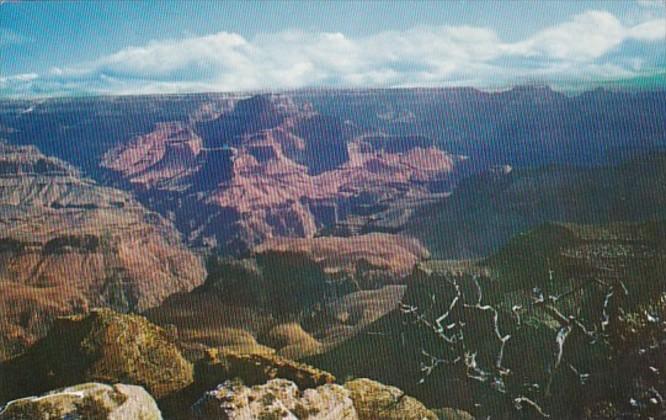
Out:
{"x": 129, "y": 47}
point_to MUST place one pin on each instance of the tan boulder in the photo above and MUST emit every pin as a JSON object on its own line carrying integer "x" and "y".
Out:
{"x": 277, "y": 399}
{"x": 257, "y": 368}
{"x": 375, "y": 401}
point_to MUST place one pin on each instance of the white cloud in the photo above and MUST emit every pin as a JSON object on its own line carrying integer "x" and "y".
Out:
{"x": 588, "y": 36}
{"x": 652, "y": 30}
{"x": 444, "y": 55}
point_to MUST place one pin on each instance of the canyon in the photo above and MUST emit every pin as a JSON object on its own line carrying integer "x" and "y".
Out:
{"x": 339, "y": 228}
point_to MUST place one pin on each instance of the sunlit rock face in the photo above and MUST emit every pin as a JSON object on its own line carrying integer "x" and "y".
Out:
{"x": 372, "y": 398}
{"x": 101, "y": 401}
{"x": 102, "y": 346}
{"x": 270, "y": 168}
{"x": 278, "y": 398}
{"x": 68, "y": 244}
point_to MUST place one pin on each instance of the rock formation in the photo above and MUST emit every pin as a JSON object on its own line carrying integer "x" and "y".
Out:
{"x": 292, "y": 303}
{"x": 269, "y": 168}
{"x": 99, "y": 365}
{"x": 503, "y": 201}
{"x": 392, "y": 255}
{"x": 161, "y": 158}
{"x": 452, "y": 414}
{"x": 277, "y": 399}
{"x": 85, "y": 401}
{"x": 103, "y": 346}
{"x": 257, "y": 368}
{"x": 68, "y": 244}
{"x": 374, "y": 400}
{"x": 249, "y": 115}
{"x": 265, "y": 386}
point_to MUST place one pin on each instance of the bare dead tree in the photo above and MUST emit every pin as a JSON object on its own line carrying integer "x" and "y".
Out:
{"x": 451, "y": 330}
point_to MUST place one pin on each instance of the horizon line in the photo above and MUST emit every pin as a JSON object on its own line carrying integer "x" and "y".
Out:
{"x": 569, "y": 90}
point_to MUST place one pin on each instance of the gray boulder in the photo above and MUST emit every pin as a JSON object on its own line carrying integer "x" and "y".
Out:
{"x": 276, "y": 399}
{"x": 85, "y": 401}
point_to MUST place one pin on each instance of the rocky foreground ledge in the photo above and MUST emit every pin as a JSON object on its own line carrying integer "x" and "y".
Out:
{"x": 86, "y": 401}
{"x": 107, "y": 365}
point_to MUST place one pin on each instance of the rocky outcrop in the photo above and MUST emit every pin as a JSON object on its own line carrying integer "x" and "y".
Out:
{"x": 249, "y": 115}
{"x": 374, "y": 400}
{"x": 277, "y": 399}
{"x": 85, "y": 401}
{"x": 112, "y": 348}
{"x": 270, "y": 168}
{"x": 103, "y": 346}
{"x": 204, "y": 319}
{"x": 161, "y": 158}
{"x": 68, "y": 244}
{"x": 257, "y": 368}
{"x": 452, "y": 414}
{"x": 279, "y": 198}
{"x": 392, "y": 255}
{"x": 27, "y": 160}
{"x": 283, "y": 302}
{"x": 361, "y": 399}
